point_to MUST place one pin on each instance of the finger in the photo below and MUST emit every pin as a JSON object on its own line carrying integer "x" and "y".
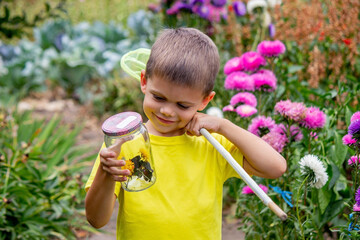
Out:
{"x": 115, "y": 171}
{"x": 106, "y": 153}
{"x": 120, "y": 178}
{"x": 116, "y": 146}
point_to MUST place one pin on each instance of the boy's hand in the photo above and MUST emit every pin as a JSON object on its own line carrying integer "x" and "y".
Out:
{"x": 201, "y": 120}
{"x": 112, "y": 165}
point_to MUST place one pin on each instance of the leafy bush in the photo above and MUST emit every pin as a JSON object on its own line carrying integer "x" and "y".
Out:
{"x": 41, "y": 184}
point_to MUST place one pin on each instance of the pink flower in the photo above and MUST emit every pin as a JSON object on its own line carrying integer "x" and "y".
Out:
{"x": 271, "y": 48}
{"x": 245, "y": 110}
{"x": 314, "y": 135}
{"x": 232, "y": 65}
{"x": 245, "y": 98}
{"x": 264, "y": 80}
{"x": 239, "y": 81}
{"x": 295, "y": 131}
{"x": 248, "y": 190}
{"x": 314, "y": 118}
{"x": 348, "y": 139}
{"x": 353, "y": 160}
{"x": 228, "y": 108}
{"x": 277, "y": 140}
{"x": 292, "y": 110}
{"x": 356, "y": 208}
{"x": 251, "y": 61}
{"x": 355, "y": 116}
{"x": 261, "y": 125}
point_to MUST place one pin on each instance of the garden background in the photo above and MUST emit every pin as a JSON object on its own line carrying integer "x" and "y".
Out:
{"x": 289, "y": 73}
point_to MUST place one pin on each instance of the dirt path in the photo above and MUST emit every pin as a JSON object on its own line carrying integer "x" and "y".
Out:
{"x": 45, "y": 107}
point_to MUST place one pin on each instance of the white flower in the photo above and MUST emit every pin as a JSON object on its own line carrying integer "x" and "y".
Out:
{"x": 273, "y": 3}
{"x": 252, "y": 4}
{"x": 215, "y": 111}
{"x": 311, "y": 166}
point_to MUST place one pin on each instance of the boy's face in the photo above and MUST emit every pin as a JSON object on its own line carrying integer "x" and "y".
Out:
{"x": 170, "y": 107}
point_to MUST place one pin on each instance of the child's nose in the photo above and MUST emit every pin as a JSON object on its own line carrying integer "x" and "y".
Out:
{"x": 167, "y": 111}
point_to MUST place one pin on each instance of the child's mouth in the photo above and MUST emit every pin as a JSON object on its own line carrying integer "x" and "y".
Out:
{"x": 164, "y": 121}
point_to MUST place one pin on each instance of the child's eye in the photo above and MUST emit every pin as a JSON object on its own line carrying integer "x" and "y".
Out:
{"x": 158, "y": 98}
{"x": 182, "y": 106}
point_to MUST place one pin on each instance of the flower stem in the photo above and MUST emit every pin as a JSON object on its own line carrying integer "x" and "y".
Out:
{"x": 297, "y": 208}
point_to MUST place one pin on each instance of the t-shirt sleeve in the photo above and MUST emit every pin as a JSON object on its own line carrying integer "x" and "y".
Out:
{"x": 93, "y": 174}
{"x": 228, "y": 170}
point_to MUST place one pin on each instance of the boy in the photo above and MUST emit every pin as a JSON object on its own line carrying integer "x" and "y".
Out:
{"x": 186, "y": 200}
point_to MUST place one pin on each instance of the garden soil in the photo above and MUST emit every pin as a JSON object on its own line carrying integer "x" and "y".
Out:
{"x": 49, "y": 104}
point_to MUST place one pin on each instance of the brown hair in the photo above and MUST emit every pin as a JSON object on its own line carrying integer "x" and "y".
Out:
{"x": 186, "y": 57}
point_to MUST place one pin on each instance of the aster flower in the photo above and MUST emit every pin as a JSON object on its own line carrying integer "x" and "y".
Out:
{"x": 177, "y": 6}
{"x": 354, "y": 129}
{"x": 232, "y": 65}
{"x": 314, "y": 118}
{"x": 201, "y": 10}
{"x": 295, "y": 131}
{"x": 245, "y": 98}
{"x": 264, "y": 80}
{"x": 248, "y": 190}
{"x": 355, "y": 116}
{"x": 252, "y": 4}
{"x": 228, "y": 108}
{"x": 261, "y": 125}
{"x": 357, "y": 196}
{"x": 215, "y": 111}
{"x": 313, "y": 168}
{"x": 218, "y": 3}
{"x": 251, "y": 61}
{"x": 276, "y": 139}
{"x": 271, "y": 48}
{"x": 356, "y": 208}
{"x": 216, "y": 13}
{"x": 314, "y": 135}
{"x": 239, "y": 81}
{"x": 353, "y": 160}
{"x": 348, "y": 140}
{"x": 245, "y": 110}
{"x": 291, "y": 110}
{"x": 239, "y": 8}
{"x": 272, "y": 30}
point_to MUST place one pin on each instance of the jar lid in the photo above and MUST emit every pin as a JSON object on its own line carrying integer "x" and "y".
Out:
{"x": 122, "y": 123}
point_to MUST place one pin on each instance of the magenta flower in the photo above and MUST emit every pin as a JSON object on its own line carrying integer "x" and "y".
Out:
{"x": 261, "y": 125}
{"x": 295, "y": 131}
{"x": 275, "y": 139}
{"x": 355, "y": 116}
{"x": 314, "y": 118}
{"x": 314, "y": 135}
{"x": 248, "y": 190}
{"x": 251, "y": 61}
{"x": 292, "y": 110}
{"x": 357, "y": 196}
{"x": 348, "y": 140}
{"x": 232, "y": 65}
{"x": 239, "y": 8}
{"x": 264, "y": 80}
{"x": 239, "y": 81}
{"x": 216, "y": 13}
{"x": 353, "y": 160}
{"x": 245, "y": 98}
{"x": 245, "y": 110}
{"x": 228, "y": 108}
{"x": 271, "y": 48}
{"x": 356, "y": 208}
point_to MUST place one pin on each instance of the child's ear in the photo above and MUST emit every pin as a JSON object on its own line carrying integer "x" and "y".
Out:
{"x": 206, "y": 100}
{"x": 143, "y": 81}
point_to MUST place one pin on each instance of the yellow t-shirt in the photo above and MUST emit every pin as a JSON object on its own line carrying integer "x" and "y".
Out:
{"x": 186, "y": 200}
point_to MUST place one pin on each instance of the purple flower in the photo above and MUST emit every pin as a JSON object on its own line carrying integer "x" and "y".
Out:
{"x": 245, "y": 98}
{"x": 355, "y": 116}
{"x": 239, "y": 8}
{"x": 251, "y": 61}
{"x": 216, "y": 13}
{"x": 291, "y": 110}
{"x": 202, "y": 10}
{"x": 177, "y": 6}
{"x": 272, "y": 30}
{"x": 264, "y": 80}
{"x": 353, "y": 160}
{"x": 271, "y": 48}
{"x": 276, "y": 140}
{"x": 357, "y": 196}
{"x": 354, "y": 129}
{"x": 261, "y": 125}
{"x": 245, "y": 110}
{"x": 314, "y": 118}
{"x": 348, "y": 140}
{"x": 239, "y": 81}
{"x": 232, "y": 65}
{"x": 218, "y": 3}
{"x": 228, "y": 108}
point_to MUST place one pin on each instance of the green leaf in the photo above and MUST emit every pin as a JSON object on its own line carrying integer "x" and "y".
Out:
{"x": 334, "y": 175}
{"x": 340, "y": 150}
{"x": 348, "y": 114}
{"x": 324, "y": 199}
{"x": 295, "y": 68}
{"x": 332, "y": 210}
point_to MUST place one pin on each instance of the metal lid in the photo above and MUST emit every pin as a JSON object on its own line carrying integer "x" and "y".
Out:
{"x": 122, "y": 123}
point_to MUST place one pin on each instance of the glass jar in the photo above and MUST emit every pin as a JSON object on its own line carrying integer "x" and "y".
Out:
{"x": 126, "y": 135}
